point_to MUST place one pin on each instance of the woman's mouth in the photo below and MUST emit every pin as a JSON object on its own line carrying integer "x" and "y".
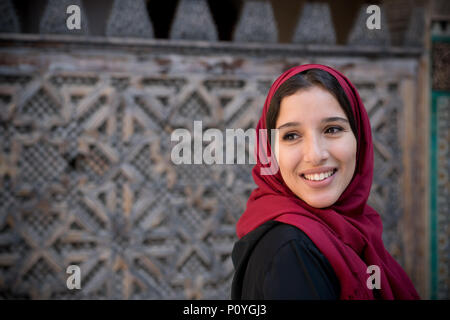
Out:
{"x": 319, "y": 180}
{"x": 319, "y": 176}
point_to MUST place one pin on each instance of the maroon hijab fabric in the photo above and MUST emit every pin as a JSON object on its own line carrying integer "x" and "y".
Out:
{"x": 349, "y": 232}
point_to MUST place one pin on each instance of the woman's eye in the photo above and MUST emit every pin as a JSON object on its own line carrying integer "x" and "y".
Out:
{"x": 290, "y": 136}
{"x": 333, "y": 130}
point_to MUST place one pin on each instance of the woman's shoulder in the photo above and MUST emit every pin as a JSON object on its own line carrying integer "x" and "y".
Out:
{"x": 279, "y": 234}
{"x": 290, "y": 266}
{"x": 277, "y": 239}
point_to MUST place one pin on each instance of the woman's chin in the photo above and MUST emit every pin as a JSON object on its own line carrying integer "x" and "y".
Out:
{"x": 321, "y": 203}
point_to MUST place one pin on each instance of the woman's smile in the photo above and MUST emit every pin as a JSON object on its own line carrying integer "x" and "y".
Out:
{"x": 318, "y": 178}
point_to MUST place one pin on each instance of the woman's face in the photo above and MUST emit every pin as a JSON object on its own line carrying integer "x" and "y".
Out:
{"x": 317, "y": 148}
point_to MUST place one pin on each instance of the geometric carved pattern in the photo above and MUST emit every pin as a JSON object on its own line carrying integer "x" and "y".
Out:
{"x": 86, "y": 176}
{"x": 309, "y": 31}
{"x": 440, "y": 230}
{"x": 94, "y": 186}
{"x": 443, "y": 196}
{"x": 193, "y": 21}
{"x": 256, "y": 23}
{"x": 384, "y": 107}
{"x": 129, "y": 19}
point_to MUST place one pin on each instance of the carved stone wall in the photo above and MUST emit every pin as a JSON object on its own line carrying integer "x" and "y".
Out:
{"x": 87, "y": 177}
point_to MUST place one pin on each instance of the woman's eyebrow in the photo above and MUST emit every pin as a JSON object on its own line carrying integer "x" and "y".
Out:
{"x": 333, "y": 119}
{"x": 326, "y": 120}
{"x": 289, "y": 124}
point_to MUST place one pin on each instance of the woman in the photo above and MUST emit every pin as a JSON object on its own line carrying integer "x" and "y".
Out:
{"x": 307, "y": 232}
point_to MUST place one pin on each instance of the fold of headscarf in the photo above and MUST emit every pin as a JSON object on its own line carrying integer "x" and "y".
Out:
{"x": 348, "y": 233}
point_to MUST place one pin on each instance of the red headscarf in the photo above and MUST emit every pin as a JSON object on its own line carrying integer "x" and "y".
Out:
{"x": 348, "y": 233}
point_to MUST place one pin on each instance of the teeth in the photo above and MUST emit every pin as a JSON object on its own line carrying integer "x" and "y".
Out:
{"x": 319, "y": 176}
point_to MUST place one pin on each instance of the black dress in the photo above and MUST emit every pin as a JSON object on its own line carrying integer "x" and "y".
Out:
{"x": 279, "y": 261}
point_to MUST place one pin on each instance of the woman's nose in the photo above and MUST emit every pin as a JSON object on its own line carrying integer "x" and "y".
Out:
{"x": 315, "y": 151}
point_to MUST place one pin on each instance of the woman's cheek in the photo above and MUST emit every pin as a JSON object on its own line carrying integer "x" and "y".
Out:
{"x": 289, "y": 158}
{"x": 345, "y": 154}
{"x": 350, "y": 150}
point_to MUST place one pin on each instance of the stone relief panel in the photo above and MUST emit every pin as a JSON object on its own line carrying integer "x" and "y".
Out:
{"x": 86, "y": 177}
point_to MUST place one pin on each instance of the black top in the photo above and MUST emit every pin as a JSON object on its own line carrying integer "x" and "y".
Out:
{"x": 279, "y": 261}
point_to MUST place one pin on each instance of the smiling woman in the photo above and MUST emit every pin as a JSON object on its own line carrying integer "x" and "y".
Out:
{"x": 307, "y": 232}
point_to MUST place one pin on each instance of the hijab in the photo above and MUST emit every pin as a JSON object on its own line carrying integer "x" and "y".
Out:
{"x": 349, "y": 232}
